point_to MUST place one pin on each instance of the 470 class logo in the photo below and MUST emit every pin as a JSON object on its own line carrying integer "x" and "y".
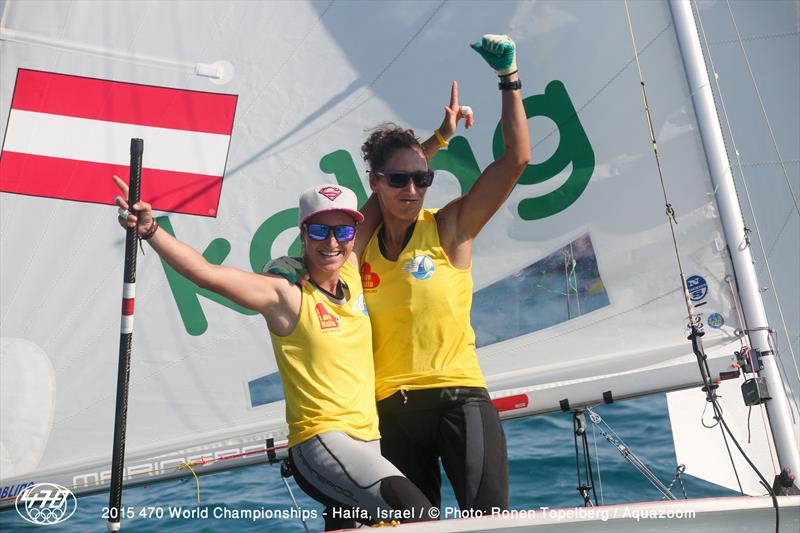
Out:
{"x": 46, "y": 504}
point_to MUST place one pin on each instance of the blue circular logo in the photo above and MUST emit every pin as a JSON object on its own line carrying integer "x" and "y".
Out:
{"x": 697, "y": 287}
{"x": 715, "y": 320}
{"x": 421, "y": 267}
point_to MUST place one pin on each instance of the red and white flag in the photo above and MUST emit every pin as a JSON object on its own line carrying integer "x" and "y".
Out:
{"x": 67, "y": 135}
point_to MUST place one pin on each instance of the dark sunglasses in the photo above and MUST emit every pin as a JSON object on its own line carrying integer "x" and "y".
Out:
{"x": 320, "y": 232}
{"x": 399, "y": 179}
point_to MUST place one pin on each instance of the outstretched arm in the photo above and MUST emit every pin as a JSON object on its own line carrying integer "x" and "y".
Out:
{"x": 258, "y": 292}
{"x": 463, "y": 218}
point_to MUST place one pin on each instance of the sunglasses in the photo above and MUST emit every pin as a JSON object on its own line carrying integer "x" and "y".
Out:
{"x": 399, "y": 179}
{"x": 320, "y": 232}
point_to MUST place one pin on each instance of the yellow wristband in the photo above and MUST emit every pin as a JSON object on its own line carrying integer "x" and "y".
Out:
{"x": 442, "y": 141}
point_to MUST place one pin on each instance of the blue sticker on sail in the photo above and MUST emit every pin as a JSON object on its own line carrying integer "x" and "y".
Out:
{"x": 421, "y": 267}
{"x": 697, "y": 287}
{"x": 715, "y": 320}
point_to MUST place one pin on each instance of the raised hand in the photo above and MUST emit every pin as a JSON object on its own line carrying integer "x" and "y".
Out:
{"x": 499, "y": 51}
{"x": 142, "y": 214}
{"x": 455, "y": 112}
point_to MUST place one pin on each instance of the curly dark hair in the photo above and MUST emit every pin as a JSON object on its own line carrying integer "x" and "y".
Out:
{"x": 384, "y": 140}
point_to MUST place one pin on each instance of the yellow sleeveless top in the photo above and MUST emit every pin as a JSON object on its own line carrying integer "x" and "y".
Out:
{"x": 326, "y": 365}
{"x": 419, "y": 305}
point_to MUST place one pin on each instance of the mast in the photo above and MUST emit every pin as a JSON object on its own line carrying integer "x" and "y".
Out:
{"x": 778, "y": 409}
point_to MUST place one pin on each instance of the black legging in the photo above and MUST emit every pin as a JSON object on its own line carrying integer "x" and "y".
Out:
{"x": 457, "y": 424}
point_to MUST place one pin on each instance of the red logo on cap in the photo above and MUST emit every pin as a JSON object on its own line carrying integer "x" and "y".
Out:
{"x": 331, "y": 193}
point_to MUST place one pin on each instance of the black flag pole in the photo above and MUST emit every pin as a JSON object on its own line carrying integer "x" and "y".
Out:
{"x": 125, "y": 338}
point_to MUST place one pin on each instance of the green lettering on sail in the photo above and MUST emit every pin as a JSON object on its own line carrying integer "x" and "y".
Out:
{"x": 573, "y": 147}
{"x": 186, "y": 293}
{"x": 267, "y": 232}
{"x": 340, "y": 164}
{"x": 459, "y": 160}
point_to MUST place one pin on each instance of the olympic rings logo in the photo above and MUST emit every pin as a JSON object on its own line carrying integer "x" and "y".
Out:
{"x": 46, "y": 504}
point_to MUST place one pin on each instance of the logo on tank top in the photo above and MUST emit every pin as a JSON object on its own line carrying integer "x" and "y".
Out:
{"x": 421, "y": 267}
{"x": 369, "y": 279}
{"x": 326, "y": 319}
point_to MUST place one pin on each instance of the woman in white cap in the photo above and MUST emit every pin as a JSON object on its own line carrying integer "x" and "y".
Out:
{"x": 321, "y": 336}
{"x": 416, "y": 272}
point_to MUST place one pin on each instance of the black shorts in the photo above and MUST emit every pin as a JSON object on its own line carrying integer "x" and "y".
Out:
{"x": 457, "y": 424}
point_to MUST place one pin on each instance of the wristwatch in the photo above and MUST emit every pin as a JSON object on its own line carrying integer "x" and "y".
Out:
{"x": 510, "y": 85}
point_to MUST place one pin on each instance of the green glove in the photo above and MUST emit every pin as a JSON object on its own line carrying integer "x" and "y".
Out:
{"x": 289, "y": 267}
{"x": 499, "y": 51}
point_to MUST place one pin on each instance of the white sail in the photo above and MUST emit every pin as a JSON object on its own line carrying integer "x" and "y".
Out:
{"x": 736, "y": 44}
{"x": 577, "y": 284}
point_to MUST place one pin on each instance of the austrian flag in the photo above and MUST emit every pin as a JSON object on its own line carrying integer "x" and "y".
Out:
{"x": 67, "y": 135}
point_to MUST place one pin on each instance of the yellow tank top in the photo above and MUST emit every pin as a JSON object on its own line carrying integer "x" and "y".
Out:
{"x": 326, "y": 366}
{"x": 419, "y": 305}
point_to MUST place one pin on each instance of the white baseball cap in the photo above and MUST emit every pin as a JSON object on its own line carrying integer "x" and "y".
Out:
{"x": 328, "y": 197}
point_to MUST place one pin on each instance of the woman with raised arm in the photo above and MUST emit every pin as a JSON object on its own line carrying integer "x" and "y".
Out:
{"x": 432, "y": 398}
{"x": 321, "y": 338}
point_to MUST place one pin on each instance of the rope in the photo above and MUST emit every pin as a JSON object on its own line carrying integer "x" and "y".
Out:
{"x": 669, "y": 210}
{"x": 679, "y": 470}
{"x": 189, "y": 465}
{"x": 579, "y": 428}
{"x": 744, "y": 182}
{"x": 183, "y": 466}
{"x": 727, "y": 447}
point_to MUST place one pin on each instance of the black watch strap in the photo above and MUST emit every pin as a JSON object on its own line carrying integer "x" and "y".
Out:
{"x": 510, "y": 85}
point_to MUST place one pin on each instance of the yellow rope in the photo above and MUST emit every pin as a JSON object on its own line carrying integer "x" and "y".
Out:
{"x": 188, "y": 465}
{"x": 393, "y": 523}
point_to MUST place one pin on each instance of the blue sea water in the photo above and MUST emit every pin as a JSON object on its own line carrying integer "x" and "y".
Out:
{"x": 541, "y": 463}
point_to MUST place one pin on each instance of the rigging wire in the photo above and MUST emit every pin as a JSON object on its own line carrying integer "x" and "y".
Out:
{"x": 728, "y": 449}
{"x": 693, "y": 319}
{"x": 597, "y": 461}
{"x": 763, "y": 109}
{"x": 286, "y": 472}
{"x": 694, "y": 323}
{"x": 628, "y": 454}
{"x": 746, "y": 188}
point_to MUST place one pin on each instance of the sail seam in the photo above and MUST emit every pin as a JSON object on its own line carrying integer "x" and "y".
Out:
{"x": 761, "y": 37}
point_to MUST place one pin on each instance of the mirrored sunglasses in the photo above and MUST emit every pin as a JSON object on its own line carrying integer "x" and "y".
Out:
{"x": 320, "y": 232}
{"x": 399, "y": 179}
